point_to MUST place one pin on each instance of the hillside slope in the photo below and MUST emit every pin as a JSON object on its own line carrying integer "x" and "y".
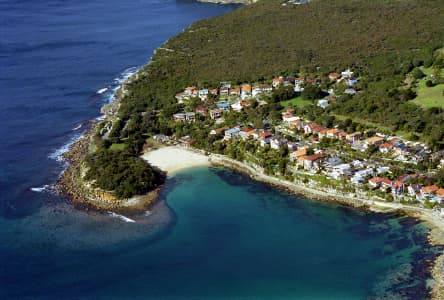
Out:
{"x": 265, "y": 38}
{"x": 381, "y": 40}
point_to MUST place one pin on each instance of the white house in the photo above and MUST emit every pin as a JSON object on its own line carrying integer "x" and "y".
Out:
{"x": 323, "y": 103}
{"x": 231, "y": 133}
{"x": 203, "y": 94}
{"x": 236, "y": 106}
{"x": 343, "y": 169}
{"x": 275, "y": 143}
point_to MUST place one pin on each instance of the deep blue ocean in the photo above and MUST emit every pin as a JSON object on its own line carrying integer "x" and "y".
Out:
{"x": 215, "y": 235}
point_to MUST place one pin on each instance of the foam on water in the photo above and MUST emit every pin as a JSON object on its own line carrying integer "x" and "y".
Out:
{"x": 121, "y": 217}
{"x": 101, "y": 91}
{"x": 109, "y": 97}
{"x": 77, "y": 127}
{"x": 117, "y": 82}
{"x": 127, "y": 73}
{"x": 40, "y": 189}
{"x": 58, "y": 153}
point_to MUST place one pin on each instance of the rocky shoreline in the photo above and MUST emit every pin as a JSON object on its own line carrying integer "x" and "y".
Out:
{"x": 81, "y": 194}
{"x": 86, "y": 197}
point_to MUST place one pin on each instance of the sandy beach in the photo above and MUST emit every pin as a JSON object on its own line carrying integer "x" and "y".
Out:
{"x": 175, "y": 158}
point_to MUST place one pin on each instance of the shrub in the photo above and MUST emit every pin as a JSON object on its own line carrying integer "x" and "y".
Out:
{"x": 417, "y": 73}
{"x": 429, "y": 83}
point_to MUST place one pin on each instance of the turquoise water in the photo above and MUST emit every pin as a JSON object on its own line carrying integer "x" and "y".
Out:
{"x": 223, "y": 237}
{"x": 215, "y": 235}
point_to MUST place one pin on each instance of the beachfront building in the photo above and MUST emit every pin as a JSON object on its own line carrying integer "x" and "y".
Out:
{"x": 311, "y": 162}
{"x": 298, "y": 153}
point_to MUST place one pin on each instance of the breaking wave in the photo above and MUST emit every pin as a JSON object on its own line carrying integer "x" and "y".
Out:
{"x": 121, "y": 217}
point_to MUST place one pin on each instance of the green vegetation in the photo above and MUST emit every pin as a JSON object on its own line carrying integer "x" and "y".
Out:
{"x": 438, "y": 72}
{"x": 431, "y": 89}
{"x": 117, "y": 147}
{"x": 295, "y": 102}
{"x": 430, "y": 96}
{"x": 417, "y": 73}
{"x": 122, "y": 173}
{"x": 311, "y": 92}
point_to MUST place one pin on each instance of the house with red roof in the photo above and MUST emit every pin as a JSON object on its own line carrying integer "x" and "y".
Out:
{"x": 334, "y": 76}
{"x": 298, "y": 124}
{"x": 333, "y": 133}
{"x": 311, "y": 162}
{"x": 398, "y": 187}
{"x": 440, "y": 196}
{"x": 191, "y": 91}
{"x": 264, "y": 138}
{"x": 313, "y": 128}
{"x": 428, "y": 192}
{"x": 385, "y": 184}
{"x": 219, "y": 130}
{"x": 298, "y": 153}
{"x": 353, "y": 137}
{"x": 277, "y": 81}
{"x": 385, "y": 147}
{"x": 404, "y": 178}
{"x": 246, "y": 133}
{"x": 246, "y": 91}
{"x": 235, "y": 92}
{"x": 214, "y": 92}
{"x": 201, "y": 110}
{"x": 375, "y": 182}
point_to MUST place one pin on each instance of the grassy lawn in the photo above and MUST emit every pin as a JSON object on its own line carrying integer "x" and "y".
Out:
{"x": 298, "y": 101}
{"x": 429, "y": 96}
{"x": 429, "y": 71}
{"x": 117, "y": 147}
